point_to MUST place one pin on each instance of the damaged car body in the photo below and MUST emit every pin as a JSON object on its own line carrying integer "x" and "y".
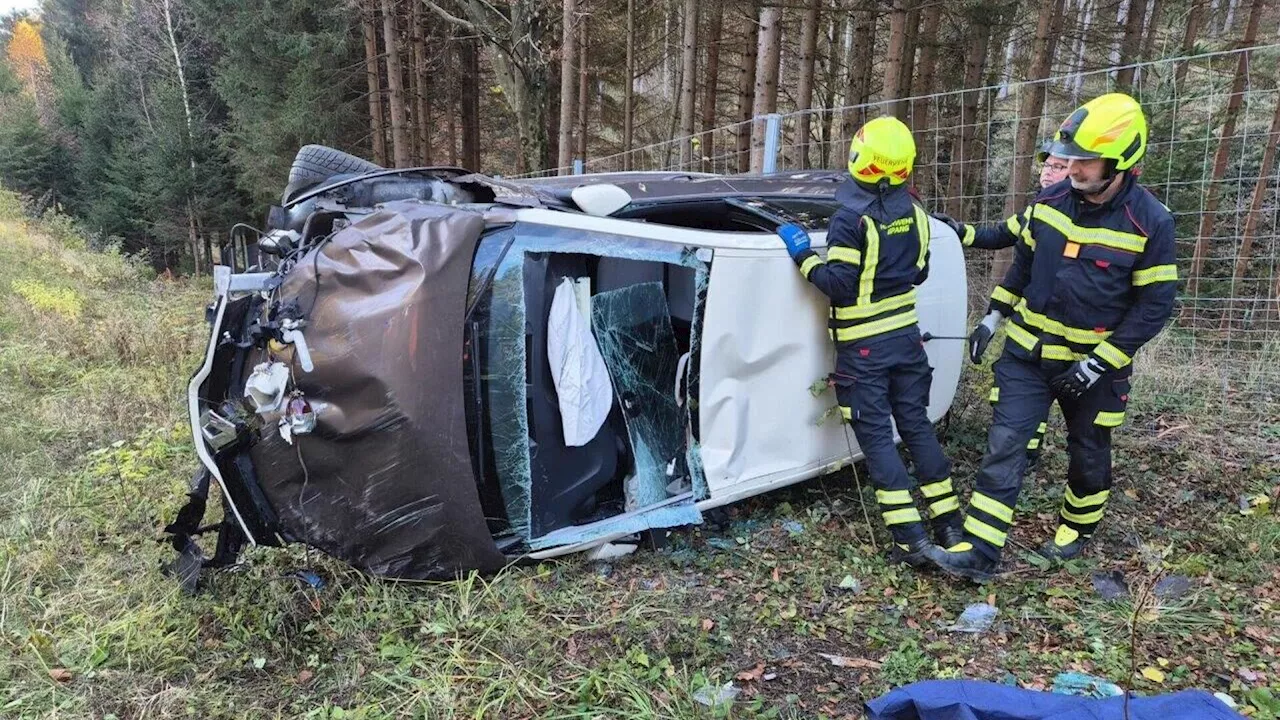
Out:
{"x": 429, "y": 371}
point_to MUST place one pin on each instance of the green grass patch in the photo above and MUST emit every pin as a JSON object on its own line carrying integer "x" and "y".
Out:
{"x": 95, "y": 459}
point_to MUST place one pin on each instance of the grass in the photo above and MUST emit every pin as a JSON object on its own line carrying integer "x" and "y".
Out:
{"x": 95, "y": 459}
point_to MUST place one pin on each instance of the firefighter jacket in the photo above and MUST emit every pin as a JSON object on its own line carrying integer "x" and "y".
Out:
{"x": 877, "y": 253}
{"x": 995, "y": 237}
{"x": 1089, "y": 279}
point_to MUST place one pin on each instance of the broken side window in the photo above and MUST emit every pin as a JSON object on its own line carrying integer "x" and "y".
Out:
{"x": 550, "y": 492}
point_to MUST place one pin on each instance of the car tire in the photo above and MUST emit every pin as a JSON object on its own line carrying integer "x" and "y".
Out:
{"x": 316, "y": 163}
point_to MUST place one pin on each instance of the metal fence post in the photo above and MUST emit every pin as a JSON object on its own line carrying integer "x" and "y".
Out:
{"x": 772, "y": 139}
{"x": 577, "y": 166}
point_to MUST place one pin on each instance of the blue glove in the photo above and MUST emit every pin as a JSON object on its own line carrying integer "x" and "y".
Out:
{"x": 796, "y": 239}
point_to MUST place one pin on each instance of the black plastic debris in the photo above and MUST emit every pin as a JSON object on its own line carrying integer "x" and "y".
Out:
{"x": 1111, "y": 586}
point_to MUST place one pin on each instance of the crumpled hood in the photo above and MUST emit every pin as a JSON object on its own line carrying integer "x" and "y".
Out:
{"x": 884, "y": 206}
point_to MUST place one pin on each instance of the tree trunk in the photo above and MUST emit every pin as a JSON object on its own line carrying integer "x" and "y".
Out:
{"x": 469, "y": 57}
{"x": 688, "y": 82}
{"x": 629, "y": 92}
{"x": 1260, "y": 192}
{"x": 1131, "y": 43}
{"x": 894, "y": 60}
{"x": 921, "y": 113}
{"x": 1077, "y": 82}
{"x": 1195, "y": 17}
{"x": 395, "y": 85}
{"x": 1031, "y": 107}
{"x": 768, "y": 53}
{"x": 711, "y": 86}
{"x": 746, "y": 83}
{"x": 413, "y": 119}
{"x": 421, "y": 98}
{"x": 908, "y": 57}
{"x": 584, "y": 95}
{"x": 836, "y": 24}
{"x": 376, "y": 128}
{"x": 568, "y": 54}
{"x": 808, "y": 48}
{"x": 1209, "y": 217}
{"x": 962, "y": 142}
{"x": 860, "y": 68}
{"x": 1230, "y": 20}
{"x": 1154, "y": 9}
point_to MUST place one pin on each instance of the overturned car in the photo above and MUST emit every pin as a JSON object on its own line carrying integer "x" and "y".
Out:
{"x": 427, "y": 371}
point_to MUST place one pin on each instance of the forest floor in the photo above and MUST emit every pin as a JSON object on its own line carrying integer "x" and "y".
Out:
{"x": 787, "y": 598}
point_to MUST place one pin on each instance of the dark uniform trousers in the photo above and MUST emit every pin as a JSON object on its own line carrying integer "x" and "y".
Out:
{"x": 1021, "y": 400}
{"x": 883, "y": 379}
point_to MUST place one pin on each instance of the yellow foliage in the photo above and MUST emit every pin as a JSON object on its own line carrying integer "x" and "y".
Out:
{"x": 26, "y": 47}
{"x": 63, "y": 301}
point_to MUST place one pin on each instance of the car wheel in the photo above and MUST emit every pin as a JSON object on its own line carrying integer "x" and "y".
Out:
{"x": 316, "y": 163}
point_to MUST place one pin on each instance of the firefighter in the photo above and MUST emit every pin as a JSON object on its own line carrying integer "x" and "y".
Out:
{"x": 1093, "y": 280}
{"x": 1053, "y": 169}
{"x": 877, "y": 253}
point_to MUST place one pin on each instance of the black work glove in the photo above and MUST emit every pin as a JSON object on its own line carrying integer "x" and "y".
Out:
{"x": 981, "y": 336}
{"x": 950, "y": 222}
{"x": 1077, "y": 379}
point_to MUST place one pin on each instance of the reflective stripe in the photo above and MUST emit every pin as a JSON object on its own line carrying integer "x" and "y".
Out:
{"x": 1159, "y": 273}
{"x": 842, "y": 254}
{"x": 893, "y": 322}
{"x": 1033, "y": 443}
{"x": 867, "y": 282}
{"x": 1085, "y": 519}
{"x": 994, "y": 395}
{"x": 1028, "y": 238}
{"x": 893, "y": 497}
{"x": 1019, "y": 335}
{"x": 1060, "y": 352}
{"x": 922, "y": 235}
{"x": 1087, "y": 500}
{"x": 809, "y": 264}
{"x": 1043, "y": 428}
{"x": 944, "y": 506}
{"x": 992, "y": 507}
{"x": 846, "y": 413}
{"x": 1128, "y": 242}
{"x": 1014, "y": 224}
{"x": 1109, "y": 419}
{"x": 898, "y": 517}
{"x": 969, "y": 236}
{"x": 857, "y": 312}
{"x": 937, "y": 489}
{"x": 1004, "y": 296}
{"x": 977, "y": 528}
{"x": 1112, "y": 354}
{"x": 1084, "y": 336}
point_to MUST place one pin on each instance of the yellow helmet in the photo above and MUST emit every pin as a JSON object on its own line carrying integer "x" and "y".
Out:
{"x": 882, "y": 149}
{"x": 1110, "y": 126}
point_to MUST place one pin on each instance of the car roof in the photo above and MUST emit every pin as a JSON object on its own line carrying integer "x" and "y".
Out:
{"x": 646, "y": 187}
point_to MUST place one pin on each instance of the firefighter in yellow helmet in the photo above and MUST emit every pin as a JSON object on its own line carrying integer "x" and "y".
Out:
{"x": 877, "y": 253}
{"x": 1093, "y": 280}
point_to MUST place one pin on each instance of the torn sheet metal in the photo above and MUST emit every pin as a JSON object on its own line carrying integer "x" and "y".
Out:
{"x": 581, "y": 378}
{"x": 384, "y": 481}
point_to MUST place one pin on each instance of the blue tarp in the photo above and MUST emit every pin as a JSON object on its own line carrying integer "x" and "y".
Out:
{"x": 974, "y": 700}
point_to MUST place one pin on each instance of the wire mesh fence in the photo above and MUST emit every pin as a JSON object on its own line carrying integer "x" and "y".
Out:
{"x": 1212, "y": 118}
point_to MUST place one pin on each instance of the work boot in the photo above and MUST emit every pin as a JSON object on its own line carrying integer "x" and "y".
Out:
{"x": 914, "y": 552}
{"x": 948, "y": 535}
{"x": 964, "y": 561}
{"x": 1068, "y": 543}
